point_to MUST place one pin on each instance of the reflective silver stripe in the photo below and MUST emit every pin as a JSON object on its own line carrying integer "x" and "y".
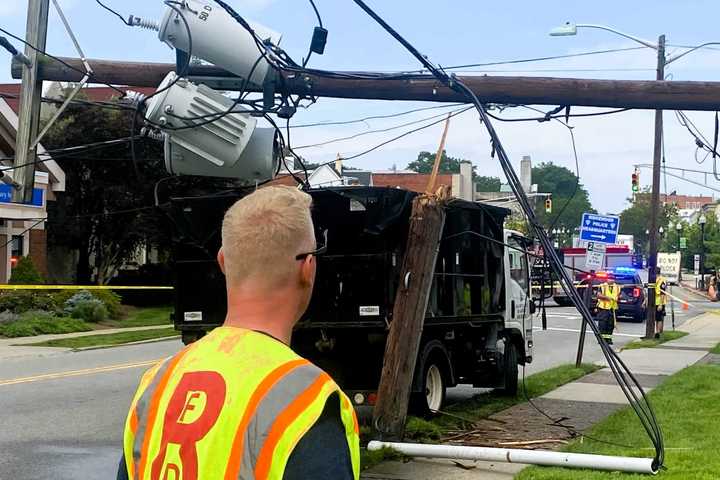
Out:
{"x": 270, "y": 407}
{"x": 141, "y": 410}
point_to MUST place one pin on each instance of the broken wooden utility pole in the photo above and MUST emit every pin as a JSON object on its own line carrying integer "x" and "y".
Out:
{"x": 403, "y": 341}
{"x": 416, "y": 276}
{"x": 491, "y": 89}
{"x": 30, "y": 94}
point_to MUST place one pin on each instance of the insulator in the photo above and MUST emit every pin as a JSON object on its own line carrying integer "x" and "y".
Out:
{"x": 153, "y": 134}
{"x": 144, "y": 23}
{"x": 134, "y": 98}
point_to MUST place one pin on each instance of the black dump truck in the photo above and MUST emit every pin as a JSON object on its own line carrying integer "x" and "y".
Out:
{"x": 478, "y": 326}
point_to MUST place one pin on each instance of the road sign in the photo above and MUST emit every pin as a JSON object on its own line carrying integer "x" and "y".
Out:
{"x": 683, "y": 243}
{"x": 669, "y": 264}
{"x": 599, "y": 228}
{"x": 595, "y": 256}
{"x": 697, "y": 264}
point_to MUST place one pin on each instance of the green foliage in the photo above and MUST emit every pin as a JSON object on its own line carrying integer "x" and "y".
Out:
{"x": 92, "y": 311}
{"x": 369, "y": 459}
{"x": 694, "y": 246}
{"x": 39, "y": 323}
{"x": 110, "y": 300}
{"x": 487, "y": 184}
{"x": 85, "y": 306}
{"x": 104, "y": 183}
{"x": 425, "y": 161}
{"x": 421, "y": 430}
{"x": 25, "y": 273}
{"x": 561, "y": 183}
{"x": 20, "y": 301}
{"x": 635, "y": 219}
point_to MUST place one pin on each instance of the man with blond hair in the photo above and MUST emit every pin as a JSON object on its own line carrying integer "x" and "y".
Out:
{"x": 239, "y": 403}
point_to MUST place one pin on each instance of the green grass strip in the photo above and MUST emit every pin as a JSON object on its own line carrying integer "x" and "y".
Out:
{"x": 687, "y": 406}
{"x": 654, "y": 342}
{"x": 108, "y": 339}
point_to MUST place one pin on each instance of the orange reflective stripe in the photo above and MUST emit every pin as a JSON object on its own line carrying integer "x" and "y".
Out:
{"x": 153, "y": 408}
{"x": 233, "y": 466}
{"x": 293, "y": 411}
{"x": 134, "y": 421}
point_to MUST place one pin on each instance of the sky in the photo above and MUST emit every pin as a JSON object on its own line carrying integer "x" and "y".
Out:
{"x": 452, "y": 33}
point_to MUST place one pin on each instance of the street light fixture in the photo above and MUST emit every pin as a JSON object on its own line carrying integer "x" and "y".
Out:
{"x": 702, "y": 221}
{"x": 662, "y": 60}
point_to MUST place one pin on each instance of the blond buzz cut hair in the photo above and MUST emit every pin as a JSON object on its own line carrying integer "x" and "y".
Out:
{"x": 263, "y": 232}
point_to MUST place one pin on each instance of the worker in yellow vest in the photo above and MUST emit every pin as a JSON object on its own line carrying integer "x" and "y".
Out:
{"x": 239, "y": 403}
{"x": 607, "y": 305}
{"x": 661, "y": 286}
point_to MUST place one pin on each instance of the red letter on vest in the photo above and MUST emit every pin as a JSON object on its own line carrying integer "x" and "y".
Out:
{"x": 191, "y": 413}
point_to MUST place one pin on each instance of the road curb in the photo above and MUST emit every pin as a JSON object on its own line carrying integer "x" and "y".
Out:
{"x": 139, "y": 342}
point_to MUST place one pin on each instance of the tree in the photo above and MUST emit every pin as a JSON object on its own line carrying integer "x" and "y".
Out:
{"x": 635, "y": 220}
{"x": 569, "y": 198}
{"x": 425, "y": 161}
{"x": 487, "y": 184}
{"x": 106, "y": 211}
{"x": 25, "y": 273}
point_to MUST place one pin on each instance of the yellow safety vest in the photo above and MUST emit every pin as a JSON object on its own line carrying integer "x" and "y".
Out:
{"x": 612, "y": 291}
{"x": 660, "y": 296}
{"x": 232, "y": 405}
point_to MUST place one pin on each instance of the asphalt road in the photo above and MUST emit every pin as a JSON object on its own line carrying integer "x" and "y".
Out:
{"x": 63, "y": 415}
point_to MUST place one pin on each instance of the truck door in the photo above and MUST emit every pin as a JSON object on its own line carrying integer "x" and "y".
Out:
{"x": 518, "y": 314}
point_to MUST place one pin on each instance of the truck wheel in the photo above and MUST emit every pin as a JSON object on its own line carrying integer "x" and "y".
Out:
{"x": 430, "y": 399}
{"x": 510, "y": 369}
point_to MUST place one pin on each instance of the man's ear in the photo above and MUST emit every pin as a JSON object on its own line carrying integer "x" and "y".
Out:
{"x": 221, "y": 260}
{"x": 307, "y": 270}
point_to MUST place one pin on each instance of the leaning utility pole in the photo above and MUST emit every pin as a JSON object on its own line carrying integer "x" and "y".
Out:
{"x": 655, "y": 201}
{"x": 30, "y": 95}
{"x": 403, "y": 341}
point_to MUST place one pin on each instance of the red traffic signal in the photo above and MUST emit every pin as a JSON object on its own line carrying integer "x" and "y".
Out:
{"x": 636, "y": 181}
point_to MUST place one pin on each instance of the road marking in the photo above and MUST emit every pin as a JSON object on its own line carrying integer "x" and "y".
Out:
{"x": 578, "y": 331}
{"x": 77, "y": 373}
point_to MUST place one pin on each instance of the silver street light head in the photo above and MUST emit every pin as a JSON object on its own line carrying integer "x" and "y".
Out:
{"x": 564, "y": 31}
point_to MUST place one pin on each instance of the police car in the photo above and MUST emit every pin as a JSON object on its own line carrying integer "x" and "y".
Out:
{"x": 631, "y": 303}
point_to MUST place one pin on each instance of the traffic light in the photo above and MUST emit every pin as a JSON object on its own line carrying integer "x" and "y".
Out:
{"x": 548, "y": 205}
{"x": 636, "y": 181}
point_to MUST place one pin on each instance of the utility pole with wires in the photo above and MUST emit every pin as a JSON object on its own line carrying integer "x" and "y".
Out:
{"x": 655, "y": 201}
{"x": 30, "y": 96}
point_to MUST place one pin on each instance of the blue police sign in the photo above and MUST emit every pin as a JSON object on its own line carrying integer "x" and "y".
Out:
{"x": 599, "y": 228}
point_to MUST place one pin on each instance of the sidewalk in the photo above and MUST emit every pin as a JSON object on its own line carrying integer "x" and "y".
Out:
{"x": 579, "y": 404}
{"x": 16, "y": 347}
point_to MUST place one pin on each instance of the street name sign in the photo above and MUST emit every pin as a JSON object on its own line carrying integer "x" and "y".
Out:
{"x": 599, "y": 228}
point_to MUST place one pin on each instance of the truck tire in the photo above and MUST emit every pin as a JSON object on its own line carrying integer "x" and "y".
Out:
{"x": 433, "y": 383}
{"x": 510, "y": 369}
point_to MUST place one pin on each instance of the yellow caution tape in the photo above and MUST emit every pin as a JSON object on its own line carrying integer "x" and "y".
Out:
{"x": 81, "y": 287}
